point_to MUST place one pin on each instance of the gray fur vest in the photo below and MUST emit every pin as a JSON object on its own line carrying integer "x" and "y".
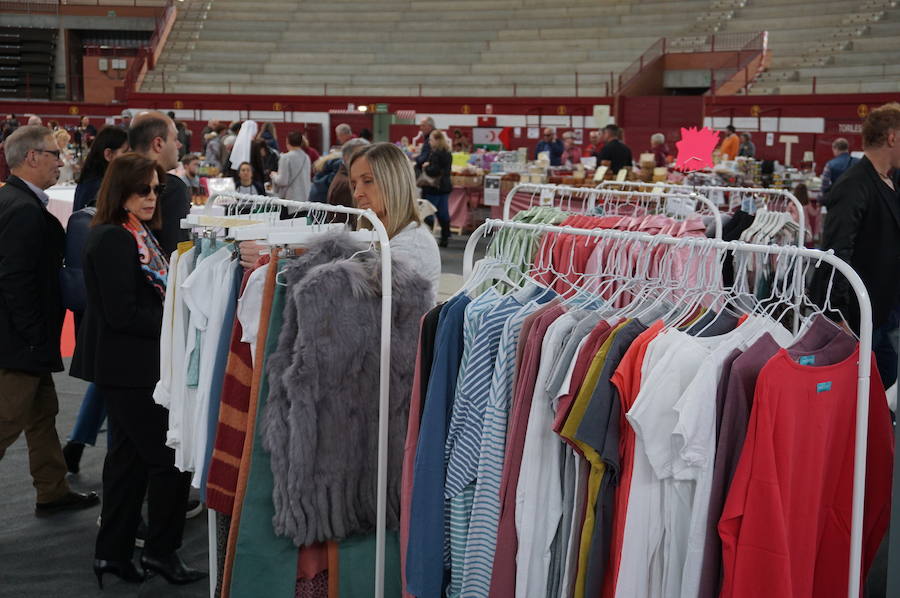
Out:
{"x": 320, "y": 423}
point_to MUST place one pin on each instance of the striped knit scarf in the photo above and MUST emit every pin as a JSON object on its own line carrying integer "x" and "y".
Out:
{"x": 150, "y": 255}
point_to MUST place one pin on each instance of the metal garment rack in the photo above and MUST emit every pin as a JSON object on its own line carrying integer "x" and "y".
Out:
{"x": 589, "y": 196}
{"x": 385, "y": 365}
{"x": 768, "y": 194}
{"x": 865, "y": 342}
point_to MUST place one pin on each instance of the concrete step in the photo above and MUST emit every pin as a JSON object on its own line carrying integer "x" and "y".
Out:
{"x": 887, "y": 71}
{"x": 596, "y": 42}
{"x": 755, "y": 11}
{"x": 867, "y": 58}
{"x": 795, "y": 22}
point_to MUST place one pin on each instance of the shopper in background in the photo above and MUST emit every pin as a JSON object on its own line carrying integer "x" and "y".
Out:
{"x": 438, "y": 168}
{"x": 747, "y": 148}
{"x": 426, "y": 126}
{"x": 87, "y": 130}
{"x": 206, "y": 134}
{"x": 31, "y": 316}
{"x": 125, "y": 273}
{"x": 367, "y": 135}
{"x": 264, "y": 160}
{"x": 34, "y": 119}
{"x": 862, "y": 226}
{"x": 382, "y": 180}
{"x": 292, "y": 179}
{"x": 270, "y": 136}
{"x": 71, "y": 167}
{"x": 214, "y": 151}
{"x": 837, "y": 166}
{"x": 730, "y": 144}
{"x": 571, "y": 153}
{"x": 595, "y": 145}
{"x": 615, "y": 154}
{"x": 660, "y": 149}
{"x": 153, "y": 135}
{"x": 246, "y": 182}
{"x": 184, "y": 135}
{"x": 110, "y": 143}
{"x": 343, "y": 133}
{"x": 310, "y": 150}
{"x": 551, "y": 145}
{"x": 191, "y": 176}
{"x": 126, "y": 120}
{"x": 339, "y": 192}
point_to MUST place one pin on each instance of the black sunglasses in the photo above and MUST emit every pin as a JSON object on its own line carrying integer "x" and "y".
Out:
{"x": 56, "y": 153}
{"x": 144, "y": 190}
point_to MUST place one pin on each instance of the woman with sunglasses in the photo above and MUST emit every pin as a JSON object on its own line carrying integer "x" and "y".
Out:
{"x": 125, "y": 273}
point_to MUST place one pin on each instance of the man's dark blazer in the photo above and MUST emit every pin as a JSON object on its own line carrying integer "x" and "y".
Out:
{"x": 118, "y": 341}
{"x": 32, "y": 242}
{"x": 863, "y": 228}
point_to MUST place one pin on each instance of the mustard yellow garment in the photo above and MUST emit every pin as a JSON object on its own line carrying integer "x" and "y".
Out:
{"x": 598, "y": 469}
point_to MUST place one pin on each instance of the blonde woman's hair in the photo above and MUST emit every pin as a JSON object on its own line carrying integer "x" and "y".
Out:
{"x": 61, "y": 135}
{"x": 439, "y": 141}
{"x": 393, "y": 173}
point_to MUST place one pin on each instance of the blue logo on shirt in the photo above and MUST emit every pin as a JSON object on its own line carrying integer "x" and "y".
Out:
{"x": 823, "y": 386}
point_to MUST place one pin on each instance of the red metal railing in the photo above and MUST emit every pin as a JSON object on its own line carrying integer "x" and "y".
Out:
{"x": 752, "y": 42}
{"x": 146, "y": 56}
{"x": 657, "y": 50}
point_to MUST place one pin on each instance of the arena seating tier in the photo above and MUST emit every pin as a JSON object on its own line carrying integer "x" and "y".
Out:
{"x": 508, "y": 47}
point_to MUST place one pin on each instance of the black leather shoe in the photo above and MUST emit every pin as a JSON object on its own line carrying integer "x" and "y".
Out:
{"x": 172, "y": 568}
{"x": 72, "y": 501}
{"x": 72, "y": 454}
{"x": 124, "y": 570}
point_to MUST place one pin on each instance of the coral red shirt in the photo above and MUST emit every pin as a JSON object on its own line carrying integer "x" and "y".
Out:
{"x": 785, "y": 527}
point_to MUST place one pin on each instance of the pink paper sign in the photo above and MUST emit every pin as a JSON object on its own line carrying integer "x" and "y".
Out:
{"x": 695, "y": 149}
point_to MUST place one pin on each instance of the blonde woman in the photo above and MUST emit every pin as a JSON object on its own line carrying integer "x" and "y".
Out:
{"x": 438, "y": 168}
{"x": 68, "y": 171}
{"x": 381, "y": 178}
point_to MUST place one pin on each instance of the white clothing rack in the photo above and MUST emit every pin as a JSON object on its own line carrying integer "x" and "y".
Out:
{"x": 385, "y": 365}
{"x": 589, "y": 196}
{"x": 768, "y": 195}
{"x": 865, "y": 342}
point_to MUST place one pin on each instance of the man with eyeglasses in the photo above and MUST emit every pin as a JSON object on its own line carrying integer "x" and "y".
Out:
{"x": 153, "y": 135}
{"x": 31, "y": 316}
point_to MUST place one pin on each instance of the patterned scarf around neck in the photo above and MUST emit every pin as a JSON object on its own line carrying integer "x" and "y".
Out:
{"x": 150, "y": 255}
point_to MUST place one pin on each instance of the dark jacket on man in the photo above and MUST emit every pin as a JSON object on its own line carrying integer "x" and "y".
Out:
{"x": 32, "y": 242}
{"x": 118, "y": 341}
{"x": 424, "y": 154}
{"x": 835, "y": 169}
{"x": 863, "y": 229}
{"x": 440, "y": 166}
{"x": 175, "y": 204}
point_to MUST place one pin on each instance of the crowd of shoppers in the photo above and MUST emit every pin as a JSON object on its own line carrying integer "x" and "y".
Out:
{"x": 128, "y": 207}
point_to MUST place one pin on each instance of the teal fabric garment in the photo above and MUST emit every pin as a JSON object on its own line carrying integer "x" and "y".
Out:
{"x": 264, "y": 564}
{"x": 356, "y": 562}
{"x": 192, "y": 379}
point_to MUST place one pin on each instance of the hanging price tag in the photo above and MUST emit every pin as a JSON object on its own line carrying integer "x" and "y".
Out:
{"x": 547, "y": 196}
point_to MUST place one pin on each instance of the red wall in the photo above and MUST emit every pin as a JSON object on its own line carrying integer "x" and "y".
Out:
{"x": 640, "y": 116}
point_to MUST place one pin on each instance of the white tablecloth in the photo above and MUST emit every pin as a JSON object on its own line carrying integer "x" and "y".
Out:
{"x": 61, "y": 199}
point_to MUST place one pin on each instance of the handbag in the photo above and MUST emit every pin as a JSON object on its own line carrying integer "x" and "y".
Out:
{"x": 423, "y": 180}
